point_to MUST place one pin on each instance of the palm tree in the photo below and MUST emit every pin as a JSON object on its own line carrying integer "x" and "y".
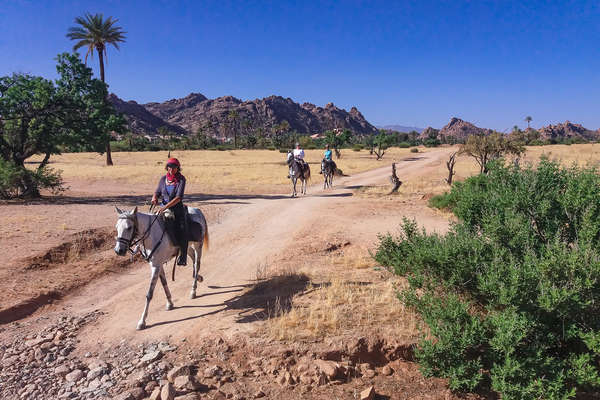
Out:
{"x": 233, "y": 124}
{"x": 96, "y": 33}
{"x": 528, "y": 120}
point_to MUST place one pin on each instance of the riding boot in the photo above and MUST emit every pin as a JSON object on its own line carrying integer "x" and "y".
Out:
{"x": 182, "y": 260}
{"x": 182, "y": 233}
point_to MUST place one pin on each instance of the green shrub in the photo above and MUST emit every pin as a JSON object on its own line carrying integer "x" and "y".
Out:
{"x": 511, "y": 294}
{"x": 357, "y": 147}
{"x": 414, "y": 150}
{"x": 442, "y": 201}
{"x": 404, "y": 145}
{"x": 283, "y": 150}
{"x": 16, "y": 181}
{"x": 272, "y": 148}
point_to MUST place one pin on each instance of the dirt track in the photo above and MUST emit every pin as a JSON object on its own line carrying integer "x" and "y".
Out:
{"x": 248, "y": 238}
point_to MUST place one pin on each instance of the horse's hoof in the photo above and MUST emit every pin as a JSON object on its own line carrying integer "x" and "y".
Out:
{"x": 200, "y": 278}
{"x": 169, "y": 307}
{"x": 140, "y": 326}
{"x": 192, "y": 295}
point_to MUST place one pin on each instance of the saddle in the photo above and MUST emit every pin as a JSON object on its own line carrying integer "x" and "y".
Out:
{"x": 331, "y": 164}
{"x": 168, "y": 223}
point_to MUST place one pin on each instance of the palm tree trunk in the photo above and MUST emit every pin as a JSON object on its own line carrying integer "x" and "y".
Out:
{"x": 101, "y": 59}
{"x": 109, "y": 160}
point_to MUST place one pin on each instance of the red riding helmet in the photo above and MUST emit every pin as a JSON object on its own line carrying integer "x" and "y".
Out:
{"x": 174, "y": 161}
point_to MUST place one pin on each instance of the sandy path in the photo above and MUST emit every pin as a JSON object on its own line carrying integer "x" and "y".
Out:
{"x": 248, "y": 236}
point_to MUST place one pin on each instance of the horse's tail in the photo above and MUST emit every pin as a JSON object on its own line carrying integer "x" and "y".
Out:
{"x": 307, "y": 173}
{"x": 206, "y": 243}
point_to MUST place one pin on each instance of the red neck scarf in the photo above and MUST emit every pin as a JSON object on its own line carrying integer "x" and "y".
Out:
{"x": 173, "y": 178}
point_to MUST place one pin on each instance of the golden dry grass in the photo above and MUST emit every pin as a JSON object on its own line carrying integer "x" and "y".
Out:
{"x": 343, "y": 297}
{"x": 253, "y": 171}
{"x": 431, "y": 181}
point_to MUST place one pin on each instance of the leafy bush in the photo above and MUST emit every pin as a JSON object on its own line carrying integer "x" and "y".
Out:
{"x": 404, "y": 145}
{"x": 357, "y": 147}
{"x": 16, "y": 181}
{"x": 283, "y": 150}
{"x": 272, "y": 148}
{"x": 511, "y": 294}
{"x": 442, "y": 201}
{"x": 414, "y": 150}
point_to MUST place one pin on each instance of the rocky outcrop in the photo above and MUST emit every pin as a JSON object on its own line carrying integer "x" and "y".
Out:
{"x": 139, "y": 119}
{"x": 460, "y": 129}
{"x": 430, "y": 132}
{"x": 567, "y": 130}
{"x": 216, "y": 116}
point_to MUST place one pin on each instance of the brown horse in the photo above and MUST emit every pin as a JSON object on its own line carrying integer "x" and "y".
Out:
{"x": 329, "y": 168}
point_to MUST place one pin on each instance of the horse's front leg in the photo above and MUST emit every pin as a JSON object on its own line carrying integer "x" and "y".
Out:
{"x": 163, "y": 281}
{"x": 294, "y": 187}
{"x": 197, "y": 257}
{"x": 155, "y": 268}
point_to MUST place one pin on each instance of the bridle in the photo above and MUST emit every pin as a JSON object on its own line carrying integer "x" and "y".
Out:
{"x": 131, "y": 243}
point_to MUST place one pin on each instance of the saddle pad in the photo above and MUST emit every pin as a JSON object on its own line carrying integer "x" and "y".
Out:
{"x": 194, "y": 230}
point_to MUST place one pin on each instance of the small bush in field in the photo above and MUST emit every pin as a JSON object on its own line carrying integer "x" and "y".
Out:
{"x": 13, "y": 179}
{"x": 442, "y": 201}
{"x": 404, "y": 145}
{"x": 357, "y": 147}
{"x": 511, "y": 294}
{"x": 414, "y": 150}
{"x": 272, "y": 148}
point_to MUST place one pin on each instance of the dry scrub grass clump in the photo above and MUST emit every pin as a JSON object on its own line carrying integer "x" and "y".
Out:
{"x": 351, "y": 295}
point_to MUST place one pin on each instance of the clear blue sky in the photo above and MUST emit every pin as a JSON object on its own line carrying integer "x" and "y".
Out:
{"x": 413, "y": 63}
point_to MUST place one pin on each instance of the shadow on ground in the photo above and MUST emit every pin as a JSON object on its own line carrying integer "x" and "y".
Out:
{"x": 144, "y": 199}
{"x": 258, "y": 301}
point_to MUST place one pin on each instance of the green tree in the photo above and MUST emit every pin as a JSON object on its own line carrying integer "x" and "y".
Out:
{"x": 38, "y": 116}
{"x": 337, "y": 139}
{"x": 96, "y": 33}
{"x": 486, "y": 148}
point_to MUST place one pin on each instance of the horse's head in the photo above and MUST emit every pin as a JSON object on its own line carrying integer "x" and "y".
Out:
{"x": 126, "y": 227}
{"x": 290, "y": 157}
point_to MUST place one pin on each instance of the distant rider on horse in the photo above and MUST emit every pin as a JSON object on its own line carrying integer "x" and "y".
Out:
{"x": 326, "y": 158}
{"x": 298, "y": 156}
{"x": 170, "y": 190}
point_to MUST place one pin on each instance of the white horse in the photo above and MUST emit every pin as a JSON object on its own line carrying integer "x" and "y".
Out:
{"x": 298, "y": 170}
{"x": 145, "y": 231}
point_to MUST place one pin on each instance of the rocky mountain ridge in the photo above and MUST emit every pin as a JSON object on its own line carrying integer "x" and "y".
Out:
{"x": 216, "y": 117}
{"x": 568, "y": 130}
{"x": 460, "y": 130}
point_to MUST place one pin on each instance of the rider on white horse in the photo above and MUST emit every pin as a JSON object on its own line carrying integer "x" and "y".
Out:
{"x": 298, "y": 156}
{"x": 170, "y": 190}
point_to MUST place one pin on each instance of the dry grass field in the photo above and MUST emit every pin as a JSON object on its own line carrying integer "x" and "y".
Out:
{"x": 433, "y": 183}
{"x": 239, "y": 171}
{"x": 264, "y": 171}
